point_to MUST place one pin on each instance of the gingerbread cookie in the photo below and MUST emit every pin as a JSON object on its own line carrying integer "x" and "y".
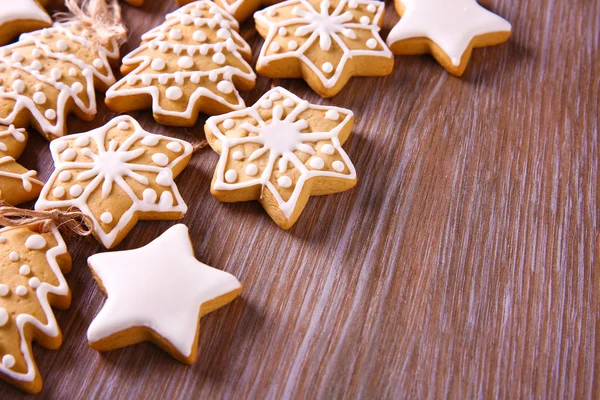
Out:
{"x": 32, "y": 264}
{"x": 166, "y": 304}
{"x": 281, "y": 151}
{"x": 17, "y": 184}
{"x": 239, "y": 9}
{"x": 18, "y": 16}
{"x": 117, "y": 174}
{"x": 50, "y": 73}
{"x": 448, "y": 29}
{"x": 325, "y": 42}
{"x": 192, "y": 63}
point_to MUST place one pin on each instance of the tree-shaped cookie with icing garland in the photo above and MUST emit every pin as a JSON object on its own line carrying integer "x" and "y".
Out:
{"x": 326, "y": 42}
{"x": 50, "y": 73}
{"x": 192, "y": 63}
{"x": 117, "y": 174}
{"x": 17, "y": 184}
{"x": 447, "y": 29}
{"x": 281, "y": 151}
{"x": 31, "y": 281}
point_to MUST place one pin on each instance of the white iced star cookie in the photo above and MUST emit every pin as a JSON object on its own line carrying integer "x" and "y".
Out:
{"x": 281, "y": 151}
{"x": 448, "y": 29}
{"x": 17, "y": 183}
{"x": 157, "y": 293}
{"x": 326, "y": 42}
{"x": 18, "y": 16}
{"x": 32, "y": 264}
{"x": 117, "y": 174}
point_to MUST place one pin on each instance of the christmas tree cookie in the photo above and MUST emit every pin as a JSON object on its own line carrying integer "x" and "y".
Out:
{"x": 448, "y": 29}
{"x": 192, "y": 63}
{"x": 32, "y": 264}
{"x": 50, "y": 73}
{"x": 18, "y": 16}
{"x": 281, "y": 151}
{"x": 117, "y": 174}
{"x": 325, "y": 42}
{"x": 158, "y": 293}
{"x": 17, "y": 184}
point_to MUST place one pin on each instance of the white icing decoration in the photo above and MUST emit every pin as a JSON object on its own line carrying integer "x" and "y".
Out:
{"x": 332, "y": 115}
{"x": 50, "y": 123}
{"x": 231, "y": 175}
{"x": 34, "y": 282}
{"x": 323, "y": 26}
{"x": 21, "y": 290}
{"x": 338, "y": 165}
{"x": 316, "y": 163}
{"x": 82, "y": 141}
{"x": 3, "y": 316}
{"x": 158, "y": 64}
{"x": 237, "y": 155}
{"x": 28, "y": 178}
{"x": 451, "y": 24}
{"x": 35, "y": 242}
{"x": 8, "y": 361}
{"x": 103, "y": 166}
{"x": 251, "y": 169}
{"x": 61, "y": 45}
{"x": 327, "y": 149}
{"x": 371, "y": 43}
{"x": 185, "y": 62}
{"x": 288, "y": 103}
{"x": 229, "y": 45}
{"x": 14, "y": 256}
{"x": 17, "y": 134}
{"x": 278, "y": 139}
{"x": 59, "y": 192}
{"x": 106, "y": 217}
{"x": 228, "y": 124}
{"x": 168, "y": 298}
{"x": 3, "y": 240}
{"x": 76, "y": 190}
{"x": 4, "y": 289}
{"x": 160, "y": 159}
{"x": 24, "y": 269}
{"x": 123, "y": 126}
{"x": 284, "y": 181}
{"x": 68, "y": 155}
{"x": 173, "y": 93}
{"x": 165, "y": 178}
{"x": 65, "y": 176}
{"x": 174, "y": 147}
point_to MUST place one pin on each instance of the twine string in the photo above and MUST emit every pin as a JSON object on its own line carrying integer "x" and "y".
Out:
{"x": 69, "y": 221}
{"x": 102, "y": 17}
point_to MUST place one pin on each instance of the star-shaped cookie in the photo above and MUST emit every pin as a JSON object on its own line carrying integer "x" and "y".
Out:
{"x": 448, "y": 29}
{"x": 157, "y": 293}
{"x": 326, "y": 42}
{"x": 17, "y": 184}
{"x": 117, "y": 174}
{"x": 18, "y": 16}
{"x": 281, "y": 151}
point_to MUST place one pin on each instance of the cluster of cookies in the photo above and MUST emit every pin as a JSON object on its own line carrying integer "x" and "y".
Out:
{"x": 279, "y": 151}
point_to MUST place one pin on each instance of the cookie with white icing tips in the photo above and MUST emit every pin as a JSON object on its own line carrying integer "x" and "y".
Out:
{"x": 157, "y": 293}
{"x": 281, "y": 151}
{"x": 117, "y": 174}
{"x": 32, "y": 264}
{"x": 447, "y": 29}
{"x": 326, "y": 42}
{"x": 18, "y": 16}
{"x": 51, "y": 73}
{"x": 192, "y": 63}
{"x": 17, "y": 184}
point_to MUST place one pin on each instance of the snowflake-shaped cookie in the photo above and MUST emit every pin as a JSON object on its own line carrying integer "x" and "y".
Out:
{"x": 17, "y": 184}
{"x": 279, "y": 152}
{"x": 325, "y": 42}
{"x": 117, "y": 174}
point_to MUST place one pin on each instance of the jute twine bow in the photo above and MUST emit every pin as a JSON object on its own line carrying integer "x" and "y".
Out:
{"x": 102, "y": 17}
{"x": 69, "y": 221}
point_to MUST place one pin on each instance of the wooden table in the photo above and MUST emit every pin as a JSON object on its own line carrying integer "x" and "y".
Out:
{"x": 460, "y": 266}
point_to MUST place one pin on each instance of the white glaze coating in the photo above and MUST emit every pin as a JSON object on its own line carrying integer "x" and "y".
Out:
{"x": 50, "y": 328}
{"x": 160, "y": 286}
{"x": 451, "y": 24}
{"x": 52, "y": 121}
{"x": 192, "y": 51}
{"x": 279, "y": 138}
{"x": 110, "y": 165}
{"x": 328, "y": 27}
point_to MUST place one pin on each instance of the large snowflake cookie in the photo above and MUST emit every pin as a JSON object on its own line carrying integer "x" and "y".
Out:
{"x": 31, "y": 281}
{"x": 18, "y": 16}
{"x": 192, "y": 63}
{"x": 17, "y": 184}
{"x": 117, "y": 174}
{"x": 280, "y": 151}
{"x": 325, "y": 42}
{"x": 50, "y": 73}
{"x": 448, "y": 29}
{"x": 158, "y": 293}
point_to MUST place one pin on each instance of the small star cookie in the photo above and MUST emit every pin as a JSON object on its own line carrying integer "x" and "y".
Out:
{"x": 192, "y": 63}
{"x": 448, "y": 29}
{"x": 281, "y": 151}
{"x": 117, "y": 174}
{"x": 17, "y": 184}
{"x": 32, "y": 264}
{"x": 326, "y": 42}
{"x": 18, "y": 16}
{"x": 158, "y": 293}
{"x": 50, "y": 73}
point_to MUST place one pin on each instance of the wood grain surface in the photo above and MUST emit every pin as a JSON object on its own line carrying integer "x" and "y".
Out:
{"x": 463, "y": 265}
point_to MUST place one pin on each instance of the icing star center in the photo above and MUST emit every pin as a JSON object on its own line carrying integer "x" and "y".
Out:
{"x": 323, "y": 24}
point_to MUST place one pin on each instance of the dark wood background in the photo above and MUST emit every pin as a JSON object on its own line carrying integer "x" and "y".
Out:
{"x": 464, "y": 264}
